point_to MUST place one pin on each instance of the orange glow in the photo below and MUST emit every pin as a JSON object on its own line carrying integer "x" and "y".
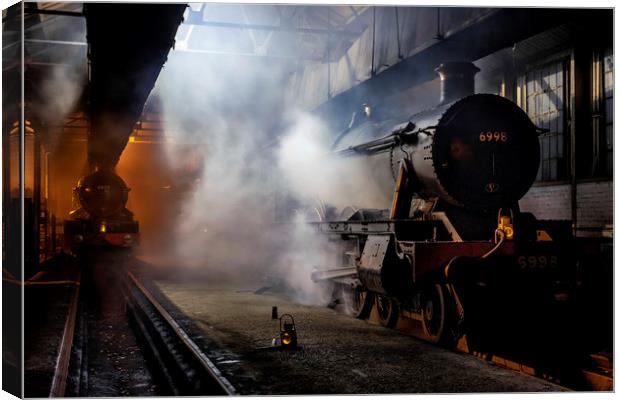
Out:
{"x": 505, "y": 225}
{"x": 158, "y": 191}
{"x": 286, "y": 338}
{"x": 14, "y": 156}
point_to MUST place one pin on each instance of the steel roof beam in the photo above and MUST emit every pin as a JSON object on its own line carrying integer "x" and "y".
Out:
{"x": 247, "y": 54}
{"x": 30, "y": 10}
{"x": 195, "y": 18}
{"x": 59, "y": 42}
{"x": 194, "y": 51}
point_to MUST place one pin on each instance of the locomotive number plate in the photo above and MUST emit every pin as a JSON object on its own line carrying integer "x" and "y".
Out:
{"x": 493, "y": 136}
{"x": 532, "y": 262}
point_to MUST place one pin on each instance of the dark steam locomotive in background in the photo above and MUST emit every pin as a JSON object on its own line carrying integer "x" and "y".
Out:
{"x": 454, "y": 256}
{"x": 102, "y": 219}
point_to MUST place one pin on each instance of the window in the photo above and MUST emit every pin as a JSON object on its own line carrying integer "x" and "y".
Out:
{"x": 602, "y": 113}
{"x": 608, "y": 89}
{"x": 541, "y": 92}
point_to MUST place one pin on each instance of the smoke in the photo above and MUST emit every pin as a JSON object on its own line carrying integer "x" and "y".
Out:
{"x": 223, "y": 106}
{"x": 301, "y": 252}
{"x": 233, "y": 109}
{"x": 51, "y": 98}
{"x": 61, "y": 92}
{"x": 314, "y": 174}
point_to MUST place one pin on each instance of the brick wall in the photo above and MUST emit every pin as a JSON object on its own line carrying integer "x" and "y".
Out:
{"x": 548, "y": 202}
{"x": 594, "y": 203}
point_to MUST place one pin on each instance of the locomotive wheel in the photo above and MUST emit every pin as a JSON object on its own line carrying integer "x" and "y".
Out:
{"x": 358, "y": 303}
{"x": 387, "y": 310}
{"x": 436, "y": 314}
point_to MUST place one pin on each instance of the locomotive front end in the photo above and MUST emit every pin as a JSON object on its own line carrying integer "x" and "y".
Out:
{"x": 102, "y": 194}
{"x": 102, "y": 218}
{"x": 483, "y": 154}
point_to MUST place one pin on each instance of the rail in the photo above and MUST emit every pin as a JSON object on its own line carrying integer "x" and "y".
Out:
{"x": 185, "y": 368}
{"x": 61, "y": 373}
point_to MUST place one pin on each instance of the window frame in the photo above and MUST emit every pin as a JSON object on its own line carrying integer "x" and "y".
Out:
{"x": 563, "y": 165}
{"x": 602, "y": 122}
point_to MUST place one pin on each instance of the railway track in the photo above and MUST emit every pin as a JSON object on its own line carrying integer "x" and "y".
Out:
{"x": 177, "y": 364}
{"x": 185, "y": 369}
{"x": 118, "y": 340}
{"x": 61, "y": 373}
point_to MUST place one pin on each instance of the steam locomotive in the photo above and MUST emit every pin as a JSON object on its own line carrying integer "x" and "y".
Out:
{"x": 454, "y": 256}
{"x": 102, "y": 219}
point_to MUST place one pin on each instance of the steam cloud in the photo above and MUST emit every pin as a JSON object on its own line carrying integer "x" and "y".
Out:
{"x": 57, "y": 95}
{"x": 60, "y": 92}
{"x": 224, "y": 224}
{"x": 313, "y": 174}
{"x": 227, "y": 225}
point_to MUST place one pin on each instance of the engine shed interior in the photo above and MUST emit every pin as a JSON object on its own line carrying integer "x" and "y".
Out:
{"x": 198, "y": 138}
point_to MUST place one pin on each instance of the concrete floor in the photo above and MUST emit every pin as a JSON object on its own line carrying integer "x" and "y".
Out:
{"x": 339, "y": 355}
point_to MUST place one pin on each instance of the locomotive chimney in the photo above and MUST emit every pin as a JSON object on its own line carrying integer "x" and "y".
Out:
{"x": 457, "y": 80}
